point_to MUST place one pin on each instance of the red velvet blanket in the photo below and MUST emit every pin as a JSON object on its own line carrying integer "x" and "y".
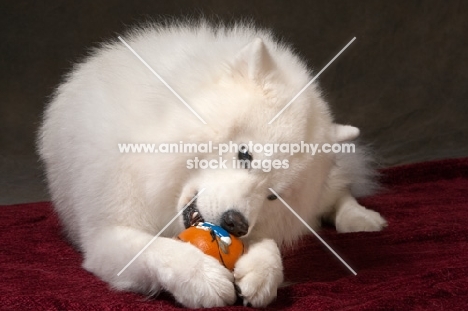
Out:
{"x": 420, "y": 262}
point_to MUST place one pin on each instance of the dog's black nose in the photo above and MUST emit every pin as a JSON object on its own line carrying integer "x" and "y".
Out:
{"x": 234, "y": 223}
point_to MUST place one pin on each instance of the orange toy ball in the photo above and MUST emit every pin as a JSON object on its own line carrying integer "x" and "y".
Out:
{"x": 211, "y": 244}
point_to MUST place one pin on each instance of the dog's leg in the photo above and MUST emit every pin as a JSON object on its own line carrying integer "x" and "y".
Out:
{"x": 350, "y": 216}
{"x": 259, "y": 273}
{"x": 195, "y": 280}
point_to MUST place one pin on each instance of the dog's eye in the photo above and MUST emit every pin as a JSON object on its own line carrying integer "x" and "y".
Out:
{"x": 272, "y": 197}
{"x": 244, "y": 154}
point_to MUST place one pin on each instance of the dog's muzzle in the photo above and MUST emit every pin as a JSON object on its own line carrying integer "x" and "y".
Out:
{"x": 235, "y": 223}
{"x": 232, "y": 221}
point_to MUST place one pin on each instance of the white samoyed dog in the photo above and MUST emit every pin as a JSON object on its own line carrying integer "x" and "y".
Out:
{"x": 236, "y": 79}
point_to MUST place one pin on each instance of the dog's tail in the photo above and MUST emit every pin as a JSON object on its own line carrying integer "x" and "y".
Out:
{"x": 361, "y": 169}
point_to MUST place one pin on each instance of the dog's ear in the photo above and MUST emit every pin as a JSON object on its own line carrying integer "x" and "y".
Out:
{"x": 254, "y": 61}
{"x": 345, "y": 132}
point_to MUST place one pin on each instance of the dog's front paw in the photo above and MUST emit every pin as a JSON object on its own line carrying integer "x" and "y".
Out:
{"x": 197, "y": 280}
{"x": 259, "y": 273}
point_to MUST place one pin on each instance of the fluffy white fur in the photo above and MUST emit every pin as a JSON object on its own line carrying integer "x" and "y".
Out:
{"x": 237, "y": 79}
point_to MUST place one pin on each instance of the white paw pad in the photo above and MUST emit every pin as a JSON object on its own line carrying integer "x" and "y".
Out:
{"x": 259, "y": 273}
{"x": 359, "y": 219}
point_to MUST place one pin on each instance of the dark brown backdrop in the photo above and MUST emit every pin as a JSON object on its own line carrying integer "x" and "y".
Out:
{"x": 403, "y": 81}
